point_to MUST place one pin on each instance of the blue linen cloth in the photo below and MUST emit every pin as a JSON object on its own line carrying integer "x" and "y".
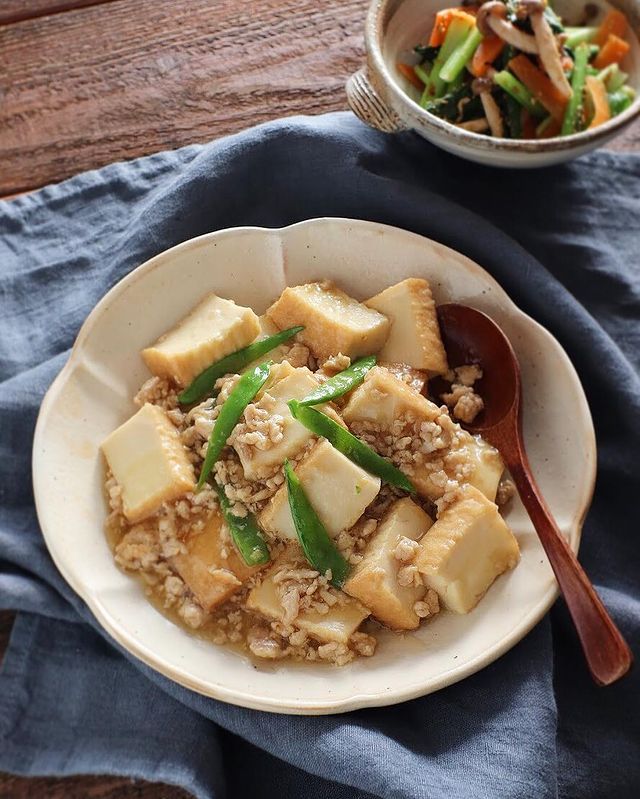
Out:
{"x": 564, "y": 244}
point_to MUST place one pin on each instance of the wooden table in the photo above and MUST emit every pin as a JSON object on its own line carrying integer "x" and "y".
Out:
{"x": 87, "y": 82}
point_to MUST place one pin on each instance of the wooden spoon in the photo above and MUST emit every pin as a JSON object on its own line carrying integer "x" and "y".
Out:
{"x": 470, "y": 336}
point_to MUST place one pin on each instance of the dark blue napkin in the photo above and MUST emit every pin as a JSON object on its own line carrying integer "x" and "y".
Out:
{"x": 563, "y": 242}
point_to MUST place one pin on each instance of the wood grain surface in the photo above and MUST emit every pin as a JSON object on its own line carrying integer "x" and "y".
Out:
{"x": 87, "y": 82}
{"x": 85, "y": 87}
{"x": 18, "y": 10}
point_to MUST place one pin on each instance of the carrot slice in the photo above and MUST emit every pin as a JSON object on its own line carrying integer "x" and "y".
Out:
{"x": 539, "y": 85}
{"x": 598, "y": 93}
{"x": 443, "y": 20}
{"x": 410, "y": 75}
{"x": 551, "y": 130}
{"x": 486, "y": 53}
{"x": 613, "y": 51}
{"x": 528, "y": 125}
{"x": 614, "y": 23}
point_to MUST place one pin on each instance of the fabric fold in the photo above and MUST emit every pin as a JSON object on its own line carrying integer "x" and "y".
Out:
{"x": 562, "y": 242}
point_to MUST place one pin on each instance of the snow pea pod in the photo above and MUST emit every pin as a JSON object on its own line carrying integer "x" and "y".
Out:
{"x": 341, "y": 383}
{"x": 232, "y": 409}
{"x": 245, "y": 533}
{"x": 204, "y": 383}
{"x": 350, "y": 446}
{"x": 318, "y": 548}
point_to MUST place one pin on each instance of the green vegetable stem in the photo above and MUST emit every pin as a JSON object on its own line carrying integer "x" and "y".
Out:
{"x": 245, "y": 533}
{"x": 519, "y": 92}
{"x": 456, "y": 34}
{"x": 350, "y": 446}
{"x": 341, "y": 383}
{"x": 574, "y": 106}
{"x": 318, "y": 548}
{"x": 460, "y": 56}
{"x": 204, "y": 383}
{"x": 232, "y": 408}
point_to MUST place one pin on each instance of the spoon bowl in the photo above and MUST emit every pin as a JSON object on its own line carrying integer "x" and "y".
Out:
{"x": 471, "y": 336}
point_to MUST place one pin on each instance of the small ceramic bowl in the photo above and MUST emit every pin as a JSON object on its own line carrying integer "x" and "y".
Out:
{"x": 383, "y": 98}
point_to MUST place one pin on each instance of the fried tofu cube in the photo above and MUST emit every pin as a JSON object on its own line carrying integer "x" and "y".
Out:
{"x": 296, "y": 384}
{"x": 277, "y": 354}
{"x": 334, "y": 322}
{"x": 213, "y": 329}
{"x": 210, "y": 576}
{"x": 338, "y": 625}
{"x": 488, "y": 465}
{"x": 414, "y": 338}
{"x": 337, "y": 488}
{"x": 415, "y": 378}
{"x": 383, "y": 398}
{"x": 467, "y": 548}
{"x": 149, "y": 462}
{"x": 375, "y": 580}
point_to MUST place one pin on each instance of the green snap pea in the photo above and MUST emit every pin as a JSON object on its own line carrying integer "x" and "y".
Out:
{"x": 350, "y": 446}
{"x": 204, "y": 383}
{"x": 318, "y": 548}
{"x": 245, "y": 533}
{"x": 244, "y": 391}
{"x": 341, "y": 383}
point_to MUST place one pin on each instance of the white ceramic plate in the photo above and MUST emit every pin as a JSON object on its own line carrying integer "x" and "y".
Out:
{"x": 92, "y": 395}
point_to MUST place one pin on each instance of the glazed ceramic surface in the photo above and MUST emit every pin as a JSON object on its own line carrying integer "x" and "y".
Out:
{"x": 381, "y": 96}
{"x": 93, "y": 395}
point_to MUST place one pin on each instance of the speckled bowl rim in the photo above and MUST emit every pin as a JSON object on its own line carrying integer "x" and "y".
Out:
{"x": 417, "y": 117}
{"x": 249, "y": 700}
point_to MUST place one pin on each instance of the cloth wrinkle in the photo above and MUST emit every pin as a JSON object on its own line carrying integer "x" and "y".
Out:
{"x": 562, "y": 242}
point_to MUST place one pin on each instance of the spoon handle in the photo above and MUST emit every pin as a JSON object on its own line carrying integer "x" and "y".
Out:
{"x": 607, "y": 653}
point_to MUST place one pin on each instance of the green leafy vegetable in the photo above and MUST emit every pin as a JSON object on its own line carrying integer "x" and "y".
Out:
{"x": 426, "y": 53}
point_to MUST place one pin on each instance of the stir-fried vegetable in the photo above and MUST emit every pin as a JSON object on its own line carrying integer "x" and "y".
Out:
{"x": 460, "y": 56}
{"x": 524, "y": 48}
{"x": 245, "y": 533}
{"x": 203, "y": 385}
{"x": 611, "y": 52}
{"x": 539, "y": 85}
{"x": 340, "y": 384}
{"x": 620, "y": 100}
{"x": 599, "y": 100}
{"x": 457, "y": 31}
{"x": 232, "y": 409}
{"x": 486, "y": 53}
{"x": 614, "y": 24}
{"x": 518, "y": 91}
{"x": 318, "y": 548}
{"x": 576, "y": 36}
{"x": 350, "y": 446}
{"x": 575, "y": 105}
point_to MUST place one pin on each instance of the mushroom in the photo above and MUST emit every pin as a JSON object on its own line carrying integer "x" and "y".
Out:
{"x": 549, "y": 54}
{"x": 492, "y": 19}
{"x": 474, "y": 125}
{"x": 482, "y": 87}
